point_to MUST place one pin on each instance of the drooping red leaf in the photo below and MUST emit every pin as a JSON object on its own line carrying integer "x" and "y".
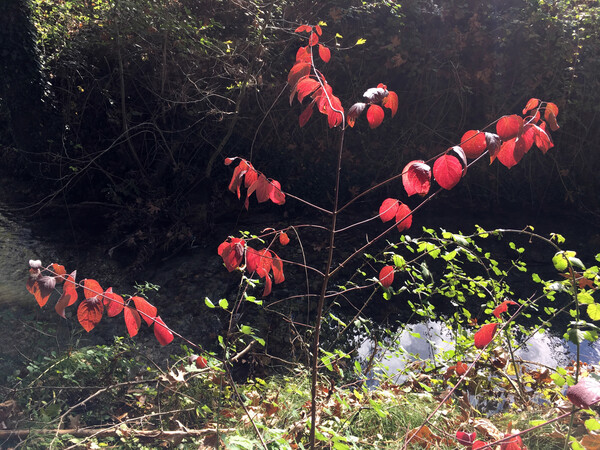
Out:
{"x": 531, "y": 104}
{"x": 551, "y": 119}
{"x": 277, "y": 269}
{"x": 375, "y": 116}
{"x": 318, "y": 30}
{"x": 391, "y": 102}
{"x": 146, "y": 310}
{"x": 228, "y": 161}
{"x": 276, "y": 195}
{"x": 263, "y": 189}
{"x": 515, "y": 443}
{"x": 232, "y": 252}
{"x": 305, "y": 28}
{"x": 334, "y": 112}
{"x": 268, "y": 286}
{"x": 89, "y": 312}
{"x": 511, "y": 152}
{"x": 298, "y": 70}
{"x": 542, "y": 140}
{"x": 41, "y": 287}
{"x": 305, "y": 115}
{"x": 284, "y": 239}
{"x": 502, "y": 307}
{"x": 303, "y": 54}
{"x": 473, "y": 142}
{"x": 388, "y": 209}
{"x": 478, "y": 444}
{"x": 162, "y": 333}
{"x": 355, "y": 111}
{"x": 114, "y": 303}
{"x": 324, "y": 53}
{"x": 416, "y": 178}
{"x": 313, "y": 39}
{"x": 466, "y": 438}
{"x": 305, "y": 87}
{"x": 238, "y": 174}
{"x": 59, "y": 272}
{"x": 250, "y": 177}
{"x": 132, "y": 320}
{"x": 69, "y": 295}
{"x": 509, "y": 127}
{"x": 493, "y": 144}
{"x": 265, "y": 262}
{"x": 403, "y": 217}
{"x": 252, "y": 259}
{"x": 551, "y": 108}
{"x": 386, "y": 276}
{"x": 485, "y": 335}
{"x": 585, "y": 393}
{"x": 447, "y": 171}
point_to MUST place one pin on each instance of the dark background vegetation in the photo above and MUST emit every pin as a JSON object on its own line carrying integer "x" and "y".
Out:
{"x": 118, "y": 114}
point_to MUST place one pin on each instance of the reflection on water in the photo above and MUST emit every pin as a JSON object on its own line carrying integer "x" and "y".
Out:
{"x": 423, "y": 341}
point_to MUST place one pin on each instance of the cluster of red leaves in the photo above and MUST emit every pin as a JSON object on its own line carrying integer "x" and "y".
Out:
{"x": 374, "y": 97}
{"x": 262, "y": 262}
{"x": 306, "y": 80}
{"x": 469, "y": 440}
{"x": 254, "y": 182}
{"x": 43, "y": 281}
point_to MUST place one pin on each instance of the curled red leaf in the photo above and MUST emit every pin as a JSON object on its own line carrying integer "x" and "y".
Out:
{"x": 485, "y": 335}
{"x": 232, "y": 252}
{"x": 416, "y": 178}
{"x": 391, "y": 102}
{"x": 503, "y": 307}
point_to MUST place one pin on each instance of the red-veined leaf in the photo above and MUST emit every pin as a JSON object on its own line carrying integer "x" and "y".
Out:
{"x": 585, "y": 393}
{"x": 416, "y": 178}
{"x": 485, "y": 335}
{"x": 324, "y": 53}
{"x": 277, "y": 268}
{"x": 512, "y": 151}
{"x": 355, "y": 111}
{"x": 305, "y": 28}
{"x": 466, "y": 438}
{"x": 69, "y": 295}
{"x": 275, "y": 194}
{"x": 386, "y": 276}
{"x": 509, "y": 127}
{"x": 502, "y": 307}
{"x": 388, "y": 209}
{"x": 375, "y": 116}
{"x": 298, "y": 70}
{"x": 305, "y": 115}
{"x": 90, "y": 312}
{"x": 268, "y": 286}
{"x": 403, "y": 217}
{"x": 391, "y": 102}
{"x": 447, "y": 171}
{"x": 284, "y": 238}
{"x": 303, "y": 54}
{"x": 250, "y": 177}
{"x": 146, "y": 310}
{"x": 305, "y": 87}
{"x": 531, "y": 104}
{"x": 473, "y": 142}
{"x": 114, "y": 303}
{"x": 318, "y": 30}
{"x": 252, "y": 259}
{"x": 162, "y": 333}
{"x": 59, "y": 272}
{"x": 232, "y": 252}
{"x": 132, "y": 320}
{"x": 313, "y": 39}
{"x": 493, "y": 144}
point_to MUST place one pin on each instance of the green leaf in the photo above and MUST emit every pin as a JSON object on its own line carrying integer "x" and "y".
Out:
{"x": 585, "y": 298}
{"x": 593, "y": 311}
{"x": 361, "y": 41}
{"x": 574, "y": 335}
{"x": 339, "y": 36}
{"x": 592, "y": 424}
{"x": 223, "y": 303}
{"x": 398, "y": 261}
{"x": 536, "y": 278}
{"x": 558, "y": 380}
{"x": 560, "y": 261}
{"x": 246, "y": 329}
{"x": 209, "y": 303}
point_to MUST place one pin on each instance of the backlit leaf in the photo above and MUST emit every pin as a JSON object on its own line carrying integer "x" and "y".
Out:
{"x": 277, "y": 269}
{"x": 276, "y": 195}
{"x": 232, "y": 252}
{"x": 268, "y": 285}
{"x": 284, "y": 238}
{"x": 473, "y": 143}
{"x": 303, "y": 28}
{"x": 298, "y": 70}
{"x": 324, "y": 53}
{"x": 593, "y": 310}
{"x": 485, "y": 335}
{"x": 69, "y": 295}
{"x": 162, "y": 333}
{"x": 466, "y": 438}
{"x": 146, "y": 310}
{"x": 313, "y": 40}
{"x": 132, "y": 320}
{"x": 542, "y": 140}
{"x": 90, "y": 312}
{"x": 512, "y": 151}
{"x": 91, "y": 288}
{"x": 531, "y": 104}
{"x": 114, "y": 303}
{"x": 416, "y": 178}
{"x": 503, "y": 307}
{"x": 447, "y": 171}
{"x": 388, "y": 209}
{"x": 391, "y": 102}
{"x": 403, "y": 217}
{"x": 59, "y": 272}
{"x": 375, "y": 116}
{"x": 305, "y": 115}
{"x": 509, "y": 127}
{"x": 386, "y": 276}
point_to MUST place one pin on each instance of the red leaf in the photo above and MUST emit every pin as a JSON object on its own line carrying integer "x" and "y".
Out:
{"x": 515, "y": 443}
{"x": 509, "y": 127}
{"x": 236, "y": 179}
{"x": 447, "y": 171}
{"x": 305, "y": 115}
{"x": 303, "y": 54}
{"x": 132, "y": 320}
{"x": 59, "y": 272}
{"x": 146, "y": 310}
{"x": 478, "y": 444}
{"x": 551, "y": 119}
{"x": 473, "y": 143}
{"x": 250, "y": 177}
{"x": 69, "y": 295}
{"x": 416, "y": 178}
{"x": 268, "y": 285}
{"x": 298, "y": 70}
{"x": 375, "y": 116}
{"x": 263, "y": 189}
{"x": 90, "y": 312}
{"x": 313, "y": 39}
{"x": 277, "y": 268}
{"x": 39, "y": 289}
{"x": 503, "y": 307}
{"x": 512, "y": 151}
{"x": 232, "y": 252}
{"x": 284, "y": 238}
{"x": 305, "y": 87}
{"x": 201, "y": 362}
{"x": 551, "y": 108}
{"x": 403, "y": 217}
{"x": 388, "y": 209}
{"x": 585, "y": 393}
{"x": 542, "y": 140}
{"x": 305, "y": 28}
{"x": 252, "y": 259}
{"x": 485, "y": 335}
{"x": 386, "y": 276}
{"x": 228, "y": 161}
{"x": 91, "y": 288}
{"x": 324, "y": 53}
{"x": 531, "y": 104}
{"x": 391, "y": 102}
{"x": 275, "y": 194}
{"x": 114, "y": 303}
{"x": 318, "y": 29}
{"x": 334, "y": 112}
{"x": 162, "y": 333}
{"x": 355, "y": 111}
{"x": 466, "y": 438}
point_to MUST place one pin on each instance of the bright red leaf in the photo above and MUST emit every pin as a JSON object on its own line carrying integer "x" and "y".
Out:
{"x": 416, "y": 178}
{"x": 318, "y": 30}
{"x": 473, "y": 143}
{"x": 502, "y": 307}
{"x": 91, "y": 288}
{"x": 391, "y": 102}
{"x": 275, "y": 194}
{"x": 485, "y": 335}
{"x": 303, "y": 54}
{"x": 324, "y": 53}
{"x": 304, "y": 88}
{"x": 375, "y": 116}
{"x": 512, "y": 444}
{"x": 69, "y": 295}
{"x": 388, "y": 209}
{"x": 268, "y": 286}
{"x": 132, "y": 320}
{"x": 447, "y": 171}
{"x": 531, "y": 104}
{"x": 40, "y": 287}
{"x": 232, "y": 252}
{"x": 298, "y": 70}
{"x": 512, "y": 151}
{"x": 201, "y": 362}
{"x": 114, "y": 303}
{"x": 146, "y": 310}
{"x": 305, "y": 115}
{"x": 59, "y": 272}
{"x": 466, "y": 438}
{"x": 284, "y": 238}
{"x": 509, "y": 127}
{"x": 162, "y": 333}
{"x": 277, "y": 269}
{"x": 305, "y": 28}
{"x": 542, "y": 140}
{"x": 403, "y": 217}
{"x": 386, "y": 276}
{"x": 478, "y": 444}
{"x": 90, "y": 312}
{"x": 313, "y": 40}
